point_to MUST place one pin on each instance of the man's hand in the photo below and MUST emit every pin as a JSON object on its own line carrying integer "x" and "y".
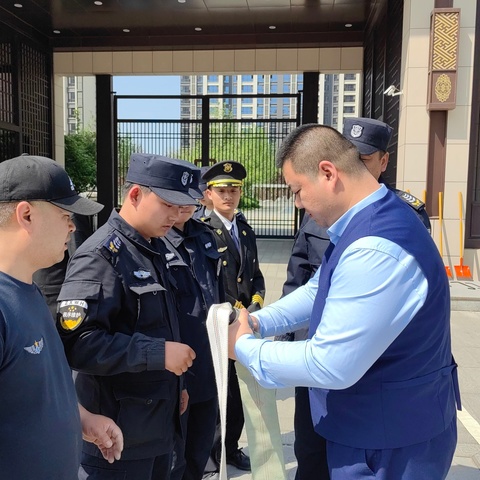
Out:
{"x": 184, "y": 397}
{"x": 236, "y": 330}
{"x": 103, "y": 432}
{"x": 179, "y": 357}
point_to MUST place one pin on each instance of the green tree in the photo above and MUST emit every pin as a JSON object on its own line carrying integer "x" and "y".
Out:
{"x": 81, "y": 159}
{"x": 244, "y": 142}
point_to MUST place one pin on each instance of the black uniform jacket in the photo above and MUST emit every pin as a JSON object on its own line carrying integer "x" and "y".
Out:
{"x": 413, "y": 202}
{"x": 115, "y": 314}
{"x": 193, "y": 263}
{"x": 242, "y": 277}
{"x": 309, "y": 245}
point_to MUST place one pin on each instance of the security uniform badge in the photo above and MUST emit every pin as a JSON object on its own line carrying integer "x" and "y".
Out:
{"x": 71, "y": 313}
{"x": 413, "y": 201}
{"x": 227, "y": 168}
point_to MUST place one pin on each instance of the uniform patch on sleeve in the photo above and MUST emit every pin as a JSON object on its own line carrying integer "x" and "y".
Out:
{"x": 71, "y": 313}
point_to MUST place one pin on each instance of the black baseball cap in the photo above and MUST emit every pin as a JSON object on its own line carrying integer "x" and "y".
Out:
{"x": 367, "y": 134}
{"x": 30, "y": 178}
{"x": 173, "y": 180}
{"x": 225, "y": 174}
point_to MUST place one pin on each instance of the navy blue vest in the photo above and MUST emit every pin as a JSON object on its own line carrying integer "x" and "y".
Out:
{"x": 408, "y": 395}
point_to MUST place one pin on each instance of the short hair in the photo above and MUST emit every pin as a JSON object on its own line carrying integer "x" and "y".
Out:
{"x": 308, "y": 144}
{"x": 6, "y": 211}
{"x": 127, "y": 186}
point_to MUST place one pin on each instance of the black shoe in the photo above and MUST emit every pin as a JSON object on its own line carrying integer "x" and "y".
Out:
{"x": 239, "y": 460}
{"x": 211, "y": 476}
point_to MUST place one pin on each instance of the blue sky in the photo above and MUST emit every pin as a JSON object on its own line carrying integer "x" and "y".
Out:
{"x": 148, "y": 85}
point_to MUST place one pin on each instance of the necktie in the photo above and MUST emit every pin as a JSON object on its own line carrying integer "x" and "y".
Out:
{"x": 233, "y": 233}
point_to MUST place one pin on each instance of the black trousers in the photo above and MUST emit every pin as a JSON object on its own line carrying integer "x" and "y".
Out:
{"x": 192, "y": 452}
{"x": 235, "y": 418}
{"x": 235, "y": 422}
{"x": 96, "y": 468}
{"x": 310, "y": 448}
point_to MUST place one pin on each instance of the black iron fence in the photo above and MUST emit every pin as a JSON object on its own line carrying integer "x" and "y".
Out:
{"x": 217, "y": 136}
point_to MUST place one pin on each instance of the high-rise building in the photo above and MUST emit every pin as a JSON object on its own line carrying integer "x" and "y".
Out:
{"x": 341, "y": 98}
{"x": 241, "y": 108}
{"x": 79, "y": 103}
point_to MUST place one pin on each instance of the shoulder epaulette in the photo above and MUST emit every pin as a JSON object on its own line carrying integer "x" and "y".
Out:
{"x": 113, "y": 245}
{"x": 412, "y": 200}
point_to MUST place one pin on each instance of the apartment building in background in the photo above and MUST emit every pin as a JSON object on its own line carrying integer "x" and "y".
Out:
{"x": 339, "y": 97}
{"x": 79, "y": 103}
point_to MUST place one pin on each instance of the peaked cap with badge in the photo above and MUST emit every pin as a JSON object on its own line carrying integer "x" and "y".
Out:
{"x": 225, "y": 174}
{"x": 370, "y": 136}
{"x": 173, "y": 180}
{"x": 367, "y": 134}
{"x": 29, "y": 177}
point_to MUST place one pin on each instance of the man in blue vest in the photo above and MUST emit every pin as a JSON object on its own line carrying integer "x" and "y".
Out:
{"x": 378, "y": 361}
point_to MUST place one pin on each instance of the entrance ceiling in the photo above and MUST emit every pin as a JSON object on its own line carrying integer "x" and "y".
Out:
{"x": 187, "y": 24}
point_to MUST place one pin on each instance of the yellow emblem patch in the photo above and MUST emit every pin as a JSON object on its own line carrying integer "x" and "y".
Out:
{"x": 227, "y": 168}
{"x": 72, "y": 313}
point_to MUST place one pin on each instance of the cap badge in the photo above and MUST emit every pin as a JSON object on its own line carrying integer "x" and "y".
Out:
{"x": 72, "y": 186}
{"x": 356, "y": 131}
{"x": 185, "y": 178}
{"x": 227, "y": 168}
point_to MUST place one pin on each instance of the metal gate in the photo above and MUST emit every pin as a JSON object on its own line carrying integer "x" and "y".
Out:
{"x": 217, "y": 134}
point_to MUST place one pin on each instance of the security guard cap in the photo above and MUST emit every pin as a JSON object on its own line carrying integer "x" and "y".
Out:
{"x": 202, "y": 184}
{"x": 173, "y": 180}
{"x": 367, "y": 134}
{"x": 225, "y": 174}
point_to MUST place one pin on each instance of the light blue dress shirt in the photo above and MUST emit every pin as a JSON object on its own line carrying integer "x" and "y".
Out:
{"x": 376, "y": 289}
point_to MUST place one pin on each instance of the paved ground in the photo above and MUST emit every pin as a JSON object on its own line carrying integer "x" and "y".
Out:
{"x": 273, "y": 256}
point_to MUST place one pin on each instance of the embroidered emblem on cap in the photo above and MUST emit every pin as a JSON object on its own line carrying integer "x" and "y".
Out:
{"x": 72, "y": 313}
{"x": 142, "y": 274}
{"x": 356, "y": 131}
{"x": 36, "y": 348}
{"x": 72, "y": 186}
{"x": 208, "y": 245}
{"x": 185, "y": 178}
{"x": 227, "y": 168}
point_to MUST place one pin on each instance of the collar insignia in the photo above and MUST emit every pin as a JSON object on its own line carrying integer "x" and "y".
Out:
{"x": 222, "y": 249}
